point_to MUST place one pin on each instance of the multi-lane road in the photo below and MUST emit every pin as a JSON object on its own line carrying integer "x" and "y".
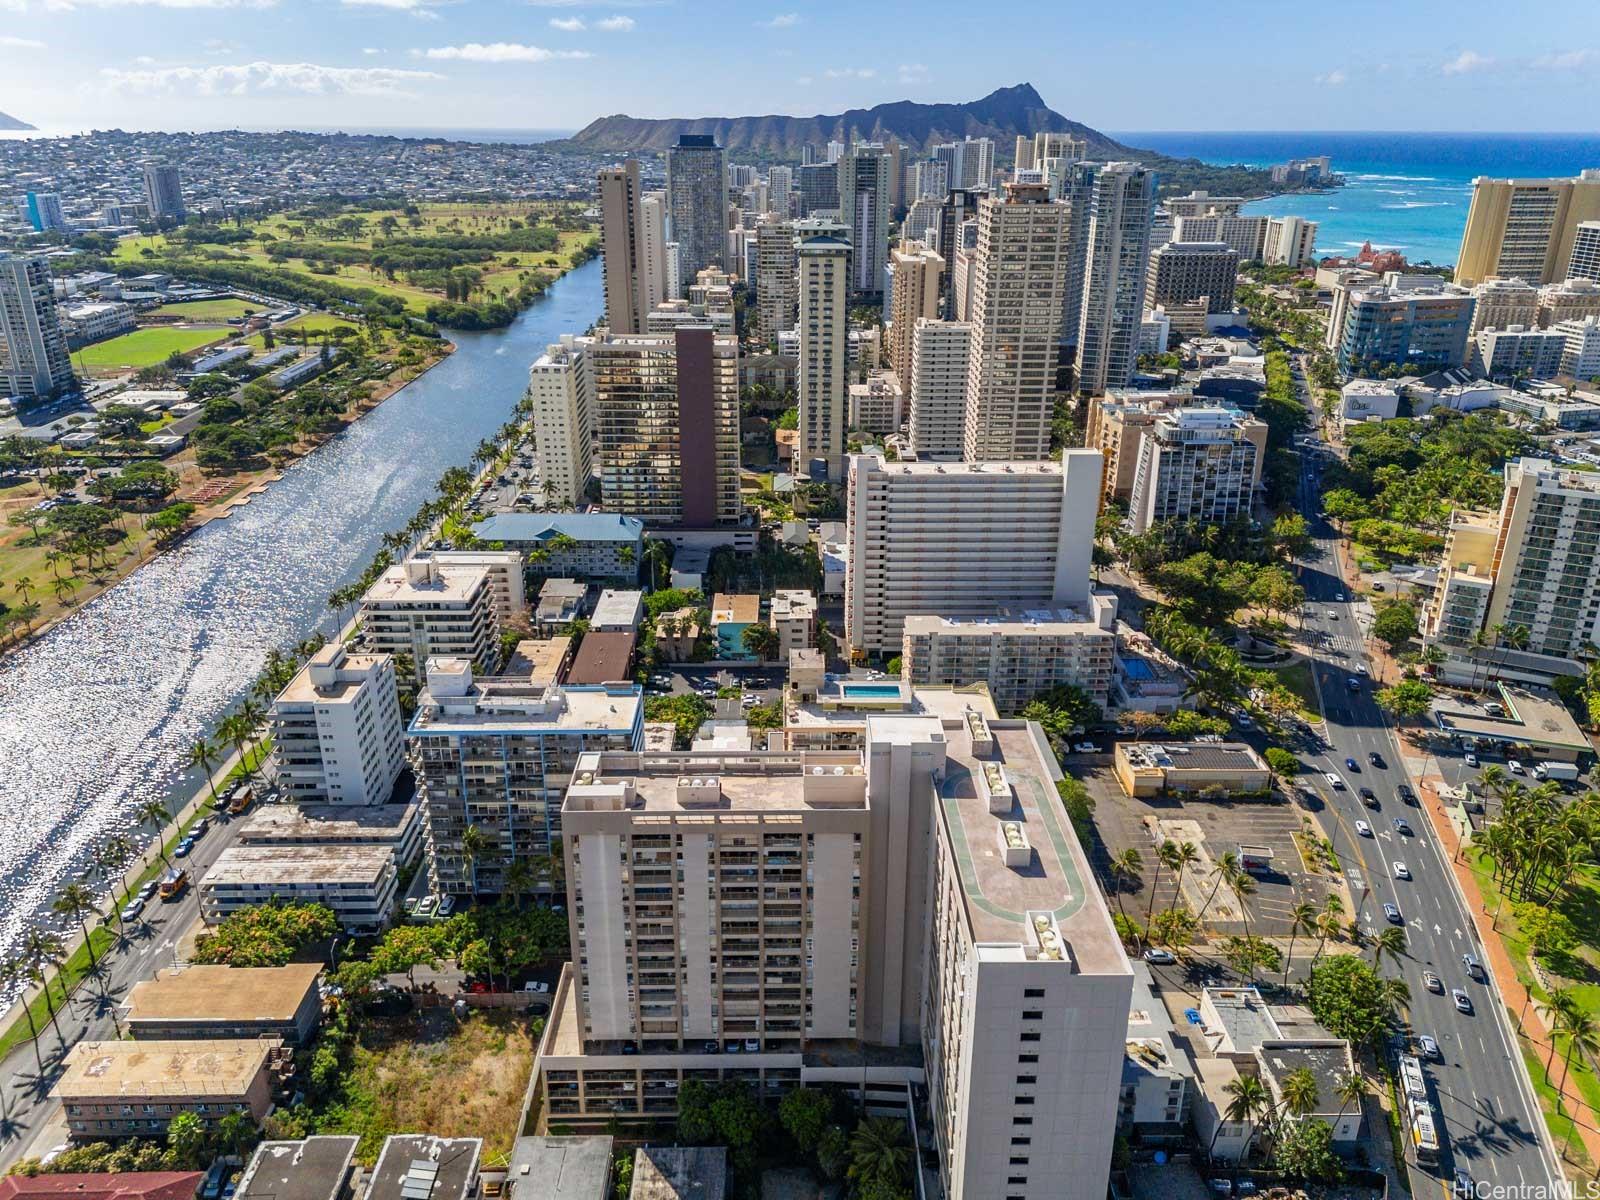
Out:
{"x": 1491, "y": 1126}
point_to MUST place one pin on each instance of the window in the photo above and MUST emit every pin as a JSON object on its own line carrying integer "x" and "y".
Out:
{"x": 1022, "y": 1141}
{"x": 1025, "y": 1080}
{"x": 1019, "y": 1160}
{"x": 1033, "y": 993}
{"x": 1030, "y": 1037}
{"x": 1027, "y": 1058}
{"x": 1032, "y": 1014}
{"x": 1022, "y": 1120}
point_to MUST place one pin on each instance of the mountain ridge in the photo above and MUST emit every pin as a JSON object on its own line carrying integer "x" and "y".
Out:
{"x": 9, "y": 122}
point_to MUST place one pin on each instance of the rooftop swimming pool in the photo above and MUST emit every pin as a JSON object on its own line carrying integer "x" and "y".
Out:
{"x": 871, "y": 691}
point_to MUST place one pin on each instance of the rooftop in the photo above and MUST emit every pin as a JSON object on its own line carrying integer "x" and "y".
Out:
{"x": 299, "y": 864}
{"x": 220, "y": 993}
{"x": 1004, "y": 621}
{"x": 540, "y": 659}
{"x": 542, "y": 526}
{"x": 1539, "y": 719}
{"x": 744, "y": 780}
{"x": 432, "y": 585}
{"x": 680, "y": 1173}
{"x": 419, "y": 1166}
{"x": 1242, "y": 1021}
{"x": 742, "y": 608}
{"x": 222, "y": 1067}
{"x": 330, "y": 676}
{"x": 314, "y": 1168}
{"x": 603, "y": 657}
{"x": 560, "y": 1168}
{"x": 1192, "y": 756}
{"x": 124, "y": 1185}
{"x": 508, "y": 705}
{"x": 617, "y": 606}
{"x": 271, "y": 823}
{"x": 1327, "y": 1059}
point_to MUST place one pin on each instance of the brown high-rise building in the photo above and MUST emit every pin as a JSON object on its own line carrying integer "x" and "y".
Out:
{"x": 916, "y": 290}
{"x": 621, "y": 244}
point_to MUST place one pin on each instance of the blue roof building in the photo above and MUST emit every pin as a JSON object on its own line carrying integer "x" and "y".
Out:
{"x": 609, "y": 545}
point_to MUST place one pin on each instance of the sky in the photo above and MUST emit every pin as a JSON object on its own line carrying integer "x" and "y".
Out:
{"x": 1447, "y": 65}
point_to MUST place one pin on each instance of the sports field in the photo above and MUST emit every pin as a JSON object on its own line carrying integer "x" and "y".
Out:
{"x": 142, "y": 348}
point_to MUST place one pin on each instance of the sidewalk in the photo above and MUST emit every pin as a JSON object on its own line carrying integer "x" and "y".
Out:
{"x": 1527, "y": 1023}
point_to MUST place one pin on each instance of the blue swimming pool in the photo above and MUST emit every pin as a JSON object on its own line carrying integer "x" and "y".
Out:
{"x": 872, "y": 691}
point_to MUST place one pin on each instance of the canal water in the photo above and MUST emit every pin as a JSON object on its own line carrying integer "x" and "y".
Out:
{"x": 98, "y": 715}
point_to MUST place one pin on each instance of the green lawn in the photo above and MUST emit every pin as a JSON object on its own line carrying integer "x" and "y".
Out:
{"x": 142, "y": 348}
{"x": 314, "y": 323}
{"x": 210, "y": 310}
{"x": 1297, "y": 677}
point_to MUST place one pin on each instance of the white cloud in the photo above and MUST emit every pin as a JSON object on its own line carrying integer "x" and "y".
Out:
{"x": 1467, "y": 60}
{"x": 371, "y": 50}
{"x": 1568, "y": 60}
{"x": 781, "y": 21}
{"x": 850, "y": 73}
{"x": 257, "y": 77}
{"x": 913, "y": 73}
{"x": 616, "y": 24}
{"x": 805, "y": 81}
{"x": 68, "y": 5}
{"x": 20, "y": 43}
{"x": 420, "y": 9}
{"x": 568, "y": 24}
{"x": 597, "y": 3}
{"x": 1334, "y": 77}
{"x": 498, "y": 52}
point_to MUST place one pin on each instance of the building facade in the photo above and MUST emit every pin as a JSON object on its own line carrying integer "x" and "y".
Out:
{"x": 337, "y": 737}
{"x": 163, "y": 192}
{"x": 1290, "y": 242}
{"x": 34, "y": 364}
{"x": 1420, "y": 328}
{"x": 777, "y": 296}
{"x": 561, "y": 390}
{"x": 622, "y": 248}
{"x": 421, "y": 608}
{"x": 1196, "y": 464}
{"x": 1116, "y": 253}
{"x": 1018, "y": 654}
{"x": 1183, "y": 272}
{"x": 864, "y": 207}
{"x": 1501, "y": 303}
{"x": 823, "y": 268}
{"x": 938, "y": 399}
{"x": 918, "y": 285}
{"x": 697, "y": 203}
{"x": 1525, "y": 228}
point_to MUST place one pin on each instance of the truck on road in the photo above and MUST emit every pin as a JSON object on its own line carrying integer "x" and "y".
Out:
{"x": 1566, "y": 772}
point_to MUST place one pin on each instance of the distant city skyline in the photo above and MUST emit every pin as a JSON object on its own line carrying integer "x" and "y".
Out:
{"x": 557, "y": 64}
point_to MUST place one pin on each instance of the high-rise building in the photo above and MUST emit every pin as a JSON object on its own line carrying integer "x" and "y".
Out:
{"x": 1018, "y": 654}
{"x": 1247, "y": 235}
{"x": 930, "y": 180}
{"x": 1116, "y": 256}
{"x": 1017, "y": 295}
{"x": 1198, "y": 204}
{"x": 938, "y": 389}
{"x": 44, "y": 212}
{"x": 1571, "y": 300}
{"x": 784, "y": 901}
{"x": 1116, "y": 423}
{"x": 561, "y": 390}
{"x": 897, "y": 173}
{"x": 918, "y": 276}
{"x": 1501, "y": 303}
{"x": 337, "y": 736}
{"x": 622, "y": 248}
{"x": 666, "y": 417}
{"x": 777, "y": 297}
{"x": 1585, "y": 260}
{"x": 1181, "y": 272}
{"x": 1421, "y": 328}
{"x": 817, "y": 189}
{"x": 496, "y": 753}
{"x": 1580, "y": 356}
{"x": 697, "y": 203}
{"x": 961, "y": 539}
{"x": 922, "y": 224}
{"x": 950, "y": 154}
{"x": 421, "y": 608}
{"x": 958, "y": 207}
{"x": 1022, "y": 156}
{"x": 654, "y": 251}
{"x": 1517, "y": 351}
{"x": 1062, "y": 147}
{"x": 1529, "y": 567}
{"x": 1196, "y": 464}
{"x": 1525, "y": 228}
{"x": 780, "y": 187}
{"x": 34, "y": 363}
{"x": 1291, "y": 242}
{"x": 163, "y": 192}
{"x": 864, "y": 207}
{"x": 823, "y": 274}
{"x": 977, "y": 162}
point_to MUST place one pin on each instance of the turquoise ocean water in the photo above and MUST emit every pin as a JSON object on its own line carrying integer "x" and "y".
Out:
{"x": 1404, "y": 191}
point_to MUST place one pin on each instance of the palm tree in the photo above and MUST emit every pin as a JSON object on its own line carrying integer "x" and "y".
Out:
{"x": 1302, "y": 919}
{"x": 1184, "y": 857}
{"x": 879, "y": 1154}
{"x": 1222, "y": 870}
{"x": 475, "y": 846}
{"x": 1299, "y": 1089}
{"x": 77, "y": 902}
{"x": 1583, "y": 1038}
{"x": 16, "y": 975}
{"x": 1241, "y": 885}
{"x": 1166, "y": 855}
{"x": 1389, "y": 942}
{"x": 1124, "y": 868}
{"x": 153, "y": 812}
{"x": 200, "y": 755}
{"x": 42, "y": 949}
{"x": 22, "y": 585}
{"x": 1327, "y": 925}
{"x": 519, "y": 881}
{"x": 1350, "y": 1088}
{"x": 1248, "y": 1097}
{"x": 1561, "y": 1005}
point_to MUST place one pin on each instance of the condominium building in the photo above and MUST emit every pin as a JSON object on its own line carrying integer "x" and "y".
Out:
{"x": 824, "y": 296}
{"x": 1585, "y": 259}
{"x": 358, "y": 882}
{"x": 1419, "y": 328}
{"x": 1518, "y": 351}
{"x": 1247, "y": 235}
{"x": 816, "y": 188}
{"x": 1501, "y": 303}
{"x": 34, "y": 364}
{"x": 656, "y": 255}
{"x": 1184, "y": 272}
{"x": 1525, "y": 228}
{"x": 163, "y": 192}
{"x": 1059, "y": 145}
{"x": 666, "y": 414}
{"x": 206, "y": 1001}
{"x": 780, "y": 186}
{"x": 422, "y": 608}
{"x": 1580, "y": 355}
{"x": 1017, "y": 298}
{"x": 697, "y": 202}
{"x": 1196, "y": 463}
{"x": 1115, "y": 424}
{"x": 599, "y": 547}
{"x": 1116, "y": 253}
{"x": 621, "y": 248}
{"x": 45, "y": 213}
{"x": 864, "y": 207}
{"x": 1530, "y": 566}
{"x": 961, "y": 539}
{"x": 938, "y": 400}
{"x": 1199, "y": 203}
{"x": 120, "y": 1089}
{"x": 496, "y": 753}
{"x": 85, "y": 324}
{"x": 1018, "y": 653}
{"x": 561, "y": 391}
{"x": 506, "y": 584}
{"x": 337, "y": 736}
{"x": 878, "y": 405}
{"x": 772, "y": 904}
{"x": 1290, "y": 242}
{"x": 1570, "y": 300}
{"x": 918, "y": 281}
{"x": 794, "y": 620}
{"x": 958, "y": 207}
{"x": 777, "y": 296}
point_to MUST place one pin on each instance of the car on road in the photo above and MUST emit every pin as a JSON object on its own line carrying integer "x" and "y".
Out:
{"x": 1353, "y": 684}
{"x": 200, "y": 827}
{"x": 1401, "y": 871}
{"x": 1352, "y": 764}
{"x": 1514, "y": 766}
{"x": 1334, "y": 781}
{"x": 1338, "y": 597}
{"x": 132, "y": 909}
{"x": 1161, "y": 958}
{"x": 1463, "y": 1002}
{"x": 149, "y": 890}
{"x": 1471, "y": 760}
{"x": 1363, "y": 829}
{"x": 183, "y": 848}
{"x": 1429, "y": 1046}
{"x": 1432, "y": 982}
{"x": 1402, "y": 827}
{"x": 1463, "y": 1186}
{"x": 1221, "y": 1187}
{"x": 1392, "y": 915}
{"x": 1376, "y": 760}
{"x": 1332, "y": 616}
{"x": 1473, "y": 966}
{"x": 1085, "y": 748}
{"x": 1361, "y": 669}
{"x": 1405, "y": 795}
{"x": 1369, "y": 798}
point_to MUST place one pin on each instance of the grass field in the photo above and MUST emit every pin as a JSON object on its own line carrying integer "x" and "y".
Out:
{"x": 313, "y": 323}
{"x": 142, "y": 348}
{"x": 210, "y": 310}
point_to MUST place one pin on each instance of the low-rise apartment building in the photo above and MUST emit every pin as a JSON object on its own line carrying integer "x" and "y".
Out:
{"x": 337, "y": 737}
{"x": 356, "y": 882}
{"x": 134, "y": 1089}
{"x": 794, "y": 620}
{"x": 731, "y": 614}
{"x": 596, "y": 547}
{"x": 396, "y": 827}
{"x": 204, "y": 1002}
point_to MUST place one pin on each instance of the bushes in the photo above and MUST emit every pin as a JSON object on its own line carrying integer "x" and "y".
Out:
{"x": 268, "y": 935}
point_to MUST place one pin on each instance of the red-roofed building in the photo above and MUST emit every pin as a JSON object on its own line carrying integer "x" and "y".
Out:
{"x": 129, "y": 1185}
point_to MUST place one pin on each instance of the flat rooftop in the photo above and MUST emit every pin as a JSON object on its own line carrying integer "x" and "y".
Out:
{"x": 1327, "y": 1060}
{"x": 509, "y": 706}
{"x": 731, "y": 779}
{"x": 845, "y": 704}
{"x": 273, "y": 824}
{"x": 540, "y": 659}
{"x": 617, "y": 607}
{"x": 680, "y": 1173}
{"x": 1539, "y": 719}
{"x": 1007, "y": 621}
{"x": 222, "y": 1067}
{"x": 299, "y": 864}
{"x": 1194, "y": 756}
{"x": 419, "y": 1166}
{"x": 742, "y": 608}
{"x": 312, "y": 1169}
{"x": 445, "y": 585}
{"x": 352, "y": 674}
{"x": 1244, "y": 1022}
{"x": 218, "y": 993}
{"x": 603, "y": 657}
{"x": 560, "y": 1168}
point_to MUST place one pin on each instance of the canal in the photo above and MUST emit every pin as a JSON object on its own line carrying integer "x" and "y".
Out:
{"x": 98, "y": 715}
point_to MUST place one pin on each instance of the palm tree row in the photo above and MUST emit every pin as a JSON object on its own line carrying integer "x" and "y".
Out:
{"x": 1537, "y": 844}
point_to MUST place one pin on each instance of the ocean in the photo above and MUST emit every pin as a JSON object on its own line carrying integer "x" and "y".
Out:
{"x": 1403, "y": 191}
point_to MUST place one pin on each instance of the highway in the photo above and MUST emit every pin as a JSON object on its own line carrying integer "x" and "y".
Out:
{"x": 1491, "y": 1126}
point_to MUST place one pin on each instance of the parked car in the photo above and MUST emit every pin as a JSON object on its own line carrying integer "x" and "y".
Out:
{"x": 535, "y": 985}
{"x": 1085, "y": 748}
{"x": 1161, "y": 958}
{"x": 410, "y": 905}
{"x": 1401, "y": 871}
{"x": 1514, "y": 766}
{"x": 447, "y": 905}
{"x": 200, "y": 827}
{"x": 1463, "y": 1002}
{"x": 1471, "y": 760}
{"x": 183, "y": 848}
{"x": 429, "y": 906}
{"x": 1433, "y": 983}
{"x": 1221, "y": 1187}
{"x": 1363, "y": 829}
{"x": 132, "y": 909}
{"x": 1402, "y": 827}
{"x": 1392, "y": 914}
{"x": 149, "y": 890}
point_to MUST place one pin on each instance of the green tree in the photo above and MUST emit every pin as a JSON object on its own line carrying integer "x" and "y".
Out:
{"x": 16, "y": 976}
{"x": 186, "y": 1135}
{"x": 1061, "y": 710}
{"x": 476, "y": 846}
{"x": 761, "y": 641}
{"x": 77, "y": 902}
{"x": 1408, "y": 700}
{"x": 880, "y": 1153}
{"x": 1247, "y": 1100}
{"x": 266, "y": 935}
{"x": 1395, "y": 624}
{"x": 833, "y": 1152}
{"x": 804, "y": 1113}
{"x": 1305, "y": 1151}
{"x": 1299, "y": 1089}
{"x": 1549, "y": 932}
{"x": 1348, "y": 999}
{"x": 1283, "y": 762}
{"x": 1390, "y": 943}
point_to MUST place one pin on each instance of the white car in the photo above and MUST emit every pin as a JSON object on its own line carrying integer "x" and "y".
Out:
{"x": 536, "y": 986}
{"x": 1471, "y": 760}
{"x": 1334, "y": 781}
{"x": 1401, "y": 871}
{"x": 1363, "y": 829}
{"x": 1085, "y": 748}
{"x": 1338, "y": 597}
{"x": 1160, "y": 957}
{"x": 1514, "y": 766}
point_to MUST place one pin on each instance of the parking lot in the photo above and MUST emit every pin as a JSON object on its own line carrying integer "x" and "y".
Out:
{"x": 1214, "y": 827}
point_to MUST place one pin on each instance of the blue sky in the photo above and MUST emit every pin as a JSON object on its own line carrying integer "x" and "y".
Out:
{"x": 540, "y": 64}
